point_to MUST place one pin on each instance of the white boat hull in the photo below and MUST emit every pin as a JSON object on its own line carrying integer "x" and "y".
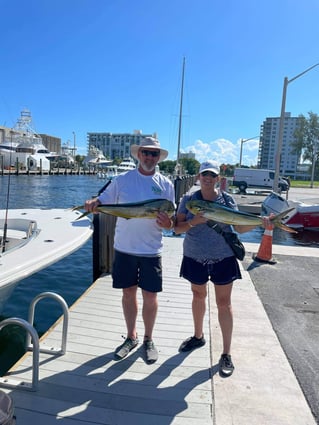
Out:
{"x": 56, "y": 234}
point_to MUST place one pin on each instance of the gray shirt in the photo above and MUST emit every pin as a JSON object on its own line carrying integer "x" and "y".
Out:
{"x": 202, "y": 243}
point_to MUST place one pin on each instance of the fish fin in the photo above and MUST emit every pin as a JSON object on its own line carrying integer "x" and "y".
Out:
{"x": 281, "y": 215}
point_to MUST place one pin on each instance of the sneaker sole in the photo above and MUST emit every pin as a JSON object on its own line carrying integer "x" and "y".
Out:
{"x": 118, "y": 357}
{"x": 186, "y": 350}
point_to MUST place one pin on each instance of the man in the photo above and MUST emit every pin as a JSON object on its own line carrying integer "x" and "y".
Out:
{"x": 138, "y": 242}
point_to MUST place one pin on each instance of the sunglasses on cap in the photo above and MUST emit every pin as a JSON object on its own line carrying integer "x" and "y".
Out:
{"x": 209, "y": 173}
{"x": 154, "y": 154}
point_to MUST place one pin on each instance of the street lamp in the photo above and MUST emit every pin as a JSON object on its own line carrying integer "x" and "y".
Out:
{"x": 281, "y": 124}
{"x": 241, "y": 147}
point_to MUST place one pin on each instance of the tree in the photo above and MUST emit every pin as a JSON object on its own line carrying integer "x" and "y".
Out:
{"x": 227, "y": 170}
{"x": 191, "y": 165}
{"x": 167, "y": 167}
{"x": 79, "y": 159}
{"x": 307, "y": 140}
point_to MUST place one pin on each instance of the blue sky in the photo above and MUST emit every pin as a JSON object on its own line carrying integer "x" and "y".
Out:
{"x": 115, "y": 65}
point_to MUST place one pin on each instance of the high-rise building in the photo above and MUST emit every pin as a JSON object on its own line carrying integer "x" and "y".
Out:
{"x": 116, "y": 145}
{"x": 269, "y": 135}
{"x": 187, "y": 155}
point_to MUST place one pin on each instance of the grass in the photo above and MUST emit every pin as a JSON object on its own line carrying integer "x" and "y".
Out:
{"x": 303, "y": 183}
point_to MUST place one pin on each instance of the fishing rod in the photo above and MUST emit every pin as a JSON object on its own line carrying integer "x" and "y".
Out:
{"x": 104, "y": 187}
{"x": 5, "y": 225}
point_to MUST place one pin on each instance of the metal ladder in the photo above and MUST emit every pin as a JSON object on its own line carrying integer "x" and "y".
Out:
{"x": 32, "y": 336}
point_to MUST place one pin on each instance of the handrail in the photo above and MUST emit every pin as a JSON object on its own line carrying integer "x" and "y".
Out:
{"x": 64, "y": 306}
{"x": 10, "y": 382}
{"x": 32, "y": 335}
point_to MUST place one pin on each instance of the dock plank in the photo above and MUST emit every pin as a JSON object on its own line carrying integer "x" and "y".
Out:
{"x": 86, "y": 386}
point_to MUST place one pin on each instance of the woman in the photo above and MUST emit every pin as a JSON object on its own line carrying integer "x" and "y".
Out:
{"x": 207, "y": 256}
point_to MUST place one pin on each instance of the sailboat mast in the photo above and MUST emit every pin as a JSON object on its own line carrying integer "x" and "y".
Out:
{"x": 180, "y": 120}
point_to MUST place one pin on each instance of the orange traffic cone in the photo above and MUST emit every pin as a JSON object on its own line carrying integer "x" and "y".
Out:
{"x": 264, "y": 254}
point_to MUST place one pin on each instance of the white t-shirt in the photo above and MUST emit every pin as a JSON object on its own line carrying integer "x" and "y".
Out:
{"x": 138, "y": 236}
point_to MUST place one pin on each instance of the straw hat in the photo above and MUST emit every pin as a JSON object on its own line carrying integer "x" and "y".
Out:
{"x": 149, "y": 143}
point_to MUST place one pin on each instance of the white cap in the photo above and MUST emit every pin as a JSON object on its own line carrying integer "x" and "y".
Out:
{"x": 210, "y": 165}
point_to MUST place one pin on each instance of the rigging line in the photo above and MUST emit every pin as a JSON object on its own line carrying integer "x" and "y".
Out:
{"x": 5, "y": 226}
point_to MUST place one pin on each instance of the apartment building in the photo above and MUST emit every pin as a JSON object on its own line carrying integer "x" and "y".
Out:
{"x": 116, "y": 145}
{"x": 269, "y": 135}
{"x": 187, "y": 155}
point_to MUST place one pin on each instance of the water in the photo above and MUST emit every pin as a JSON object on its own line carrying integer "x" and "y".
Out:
{"x": 280, "y": 237}
{"x": 71, "y": 276}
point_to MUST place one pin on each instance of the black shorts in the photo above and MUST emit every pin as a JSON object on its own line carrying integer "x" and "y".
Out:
{"x": 221, "y": 273}
{"x": 130, "y": 270}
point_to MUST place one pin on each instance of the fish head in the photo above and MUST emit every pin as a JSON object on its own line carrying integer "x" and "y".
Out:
{"x": 162, "y": 205}
{"x": 195, "y": 206}
{"x": 168, "y": 207}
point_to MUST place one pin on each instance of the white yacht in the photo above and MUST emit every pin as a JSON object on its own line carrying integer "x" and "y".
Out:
{"x": 96, "y": 158}
{"x": 24, "y": 146}
{"x": 126, "y": 165}
{"x": 109, "y": 172}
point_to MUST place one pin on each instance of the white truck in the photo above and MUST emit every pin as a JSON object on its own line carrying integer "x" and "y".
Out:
{"x": 257, "y": 178}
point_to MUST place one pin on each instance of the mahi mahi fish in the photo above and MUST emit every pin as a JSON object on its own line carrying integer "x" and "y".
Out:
{"x": 145, "y": 209}
{"x": 222, "y": 214}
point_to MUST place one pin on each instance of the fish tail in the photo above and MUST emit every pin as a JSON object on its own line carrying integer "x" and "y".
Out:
{"x": 83, "y": 215}
{"x": 286, "y": 228}
{"x": 277, "y": 221}
{"x": 79, "y": 207}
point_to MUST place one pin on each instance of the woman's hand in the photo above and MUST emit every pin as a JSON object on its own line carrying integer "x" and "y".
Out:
{"x": 267, "y": 223}
{"x": 198, "y": 219}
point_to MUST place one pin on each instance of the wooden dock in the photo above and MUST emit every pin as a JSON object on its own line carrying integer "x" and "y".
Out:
{"x": 87, "y": 386}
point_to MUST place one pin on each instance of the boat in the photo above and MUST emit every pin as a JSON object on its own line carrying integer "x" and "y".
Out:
{"x": 126, "y": 165}
{"x": 96, "y": 158}
{"x": 109, "y": 172}
{"x": 24, "y": 146}
{"x": 33, "y": 239}
{"x": 8, "y": 147}
{"x": 303, "y": 216}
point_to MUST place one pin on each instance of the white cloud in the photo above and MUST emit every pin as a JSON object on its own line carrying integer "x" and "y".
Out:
{"x": 224, "y": 151}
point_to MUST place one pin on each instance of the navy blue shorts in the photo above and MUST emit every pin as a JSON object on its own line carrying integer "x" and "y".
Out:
{"x": 130, "y": 270}
{"x": 221, "y": 273}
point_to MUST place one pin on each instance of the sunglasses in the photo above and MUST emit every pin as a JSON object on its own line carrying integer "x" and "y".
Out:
{"x": 209, "y": 173}
{"x": 154, "y": 154}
